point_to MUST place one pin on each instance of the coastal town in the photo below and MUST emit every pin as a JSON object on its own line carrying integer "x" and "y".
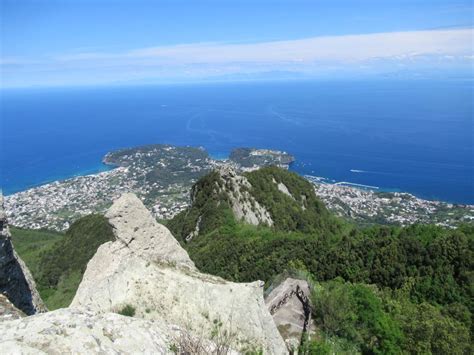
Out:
{"x": 162, "y": 176}
{"x": 367, "y": 206}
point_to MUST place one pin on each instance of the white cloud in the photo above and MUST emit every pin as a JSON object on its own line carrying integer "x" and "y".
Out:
{"x": 348, "y": 48}
{"x": 319, "y": 56}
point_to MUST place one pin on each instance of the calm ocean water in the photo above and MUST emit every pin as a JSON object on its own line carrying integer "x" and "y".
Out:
{"x": 414, "y": 136}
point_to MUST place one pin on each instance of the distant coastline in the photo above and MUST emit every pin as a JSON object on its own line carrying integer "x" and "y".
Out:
{"x": 100, "y": 168}
{"x": 105, "y": 165}
{"x": 326, "y": 125}
{"x": 163, "y": 176}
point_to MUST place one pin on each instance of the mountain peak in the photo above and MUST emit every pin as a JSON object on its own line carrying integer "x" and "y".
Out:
{"x": 136, "y": 228}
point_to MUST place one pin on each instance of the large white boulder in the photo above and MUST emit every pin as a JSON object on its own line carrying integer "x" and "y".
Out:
{"x": 140, "y": 235}
{"x": 74, "y": 331}
{"x": 147, "y": 269}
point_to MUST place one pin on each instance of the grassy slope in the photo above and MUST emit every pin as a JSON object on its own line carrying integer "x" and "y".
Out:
{"x": 58, "y": 261}
{"x": 30, "y": 244}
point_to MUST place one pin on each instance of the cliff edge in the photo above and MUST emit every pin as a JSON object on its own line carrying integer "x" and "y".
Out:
{"x": 16, "y": 282}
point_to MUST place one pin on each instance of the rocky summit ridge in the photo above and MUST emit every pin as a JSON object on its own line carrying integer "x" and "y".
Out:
{"x": 269, "y": 197}
{"x": 244, "y": 206}
{"x": 175, "y": 308}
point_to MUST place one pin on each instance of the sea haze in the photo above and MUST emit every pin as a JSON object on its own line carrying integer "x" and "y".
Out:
{"x": 414, "y": 136}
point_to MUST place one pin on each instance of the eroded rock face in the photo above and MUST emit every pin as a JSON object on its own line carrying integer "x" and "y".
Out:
{"x": 245, "y": 207}
{"x": 74, "y": 331}
{"x": 16, "y": 282}
{"x": 140, "y": 235}
{"x": 289, "y": 305}
{"x": 147, "y": 268}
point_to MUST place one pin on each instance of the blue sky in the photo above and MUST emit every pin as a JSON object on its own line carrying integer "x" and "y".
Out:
{"x": 85, "y": 42}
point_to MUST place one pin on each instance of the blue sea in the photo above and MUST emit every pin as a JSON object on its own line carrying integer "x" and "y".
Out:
{"x": 413, "y": 136}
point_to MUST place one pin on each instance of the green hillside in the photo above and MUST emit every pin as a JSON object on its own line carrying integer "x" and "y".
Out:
{"x": 438, "y": 259}
{"x": 59, "y": 261}
{"x": 406, "y": 290}
{"x": 300, "y": 212}
{"x": 422, "y": 277}
{"x": 356, "y": 318}
{"x": 31, "y": 244}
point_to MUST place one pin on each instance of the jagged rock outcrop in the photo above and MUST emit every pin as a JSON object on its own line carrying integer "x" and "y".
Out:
{"x": 16, "y": 282}
{"x": 146, "y": 268}
{"x": 140, "y": 235}
{"x": 269, "y": 196}
{"x": 290, "y": 307}
{"x": 243, "y": 204}
{"x": 74, "y": 331}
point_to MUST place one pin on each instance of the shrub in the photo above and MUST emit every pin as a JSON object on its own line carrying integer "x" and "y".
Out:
{"x": 127, "y": 310}
{"x": 355, "y": 312}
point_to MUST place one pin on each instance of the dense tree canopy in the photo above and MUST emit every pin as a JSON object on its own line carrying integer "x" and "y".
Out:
{"x": 61, "y": 260}
{"x": 385, "y": 276}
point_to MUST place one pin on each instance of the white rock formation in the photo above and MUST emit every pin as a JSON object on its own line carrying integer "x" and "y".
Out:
{"x": 73, "y": 331}
{"x": 243, "y": 204}
{"x": 138, "y": 233}
{"x": 291, "y": 310}
{"x": 147, "y": 269}
{"x": 282, "y": 188}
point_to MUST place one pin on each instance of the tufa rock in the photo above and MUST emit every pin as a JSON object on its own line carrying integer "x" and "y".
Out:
{"x": 138, "y": 233}
{"x": 245, "y": 207}
{"x": 73, "y": 331}
{"x": 290, "y": 307}
{"x": 147, "y": 268}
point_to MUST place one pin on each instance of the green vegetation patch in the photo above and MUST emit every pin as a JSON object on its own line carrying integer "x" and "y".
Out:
{"x": 358, "y": 318}
{"x": 209, "y": 207}
{"x": 127, "y": 310}
{"x": 302, "y": 211}
{"x": 31, "y": 244}
{"x": 59, "y": 261}
{"x": 211, "y": 210}
{"x": 440, "y": 261}
{"x": 425, "y": 273}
